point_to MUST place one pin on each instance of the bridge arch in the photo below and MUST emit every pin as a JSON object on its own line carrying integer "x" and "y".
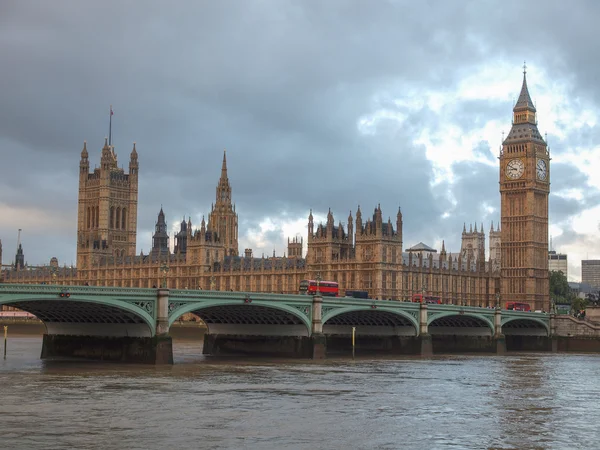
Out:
{"x": 234, "y": 316}
{"x": 531, "y": 326}
{"x": 89, "y": 316}
{"x": 455, "y": 322}
{"x": 369, "y": 320}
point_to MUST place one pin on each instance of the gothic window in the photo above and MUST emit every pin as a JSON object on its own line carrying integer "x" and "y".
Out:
{"x": 118, "y": 218}
{"x": 112, "y": 217}
{"x": 89, "y": 215}
{"x": 123, "y": 218}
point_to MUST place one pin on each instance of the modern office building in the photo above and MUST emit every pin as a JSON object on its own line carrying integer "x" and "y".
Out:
{"x": 557, "y": 262}
{"x": 590, "y": 272}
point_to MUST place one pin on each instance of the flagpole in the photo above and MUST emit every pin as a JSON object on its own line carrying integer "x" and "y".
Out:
{"x": 110, "y": 127}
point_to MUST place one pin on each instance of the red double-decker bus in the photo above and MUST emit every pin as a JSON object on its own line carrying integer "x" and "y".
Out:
{"x": 517, "y": 306}
{"x": 420, "y": 298}
{"x": 326, "y": 288}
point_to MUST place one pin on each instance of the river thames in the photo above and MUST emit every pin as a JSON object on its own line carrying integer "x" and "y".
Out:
{"x": 529, "y": 400}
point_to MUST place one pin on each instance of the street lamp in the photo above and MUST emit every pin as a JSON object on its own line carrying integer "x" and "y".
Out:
{"x": 497, "y": 300}
{"x": 53, "y": 273}
{"x": 165, "y": 270}
{"x": 318, "y": 283}
{"x": 212, "y": 282}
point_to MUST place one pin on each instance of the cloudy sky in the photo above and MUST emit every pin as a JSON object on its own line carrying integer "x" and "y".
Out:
{"x": 319, "y": 104}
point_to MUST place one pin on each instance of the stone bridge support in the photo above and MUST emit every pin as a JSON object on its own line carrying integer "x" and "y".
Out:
{"x": 318, "y": 342}
{"x": 164, "y": 342}
{"x": 553, "y": 334}
{"x": 498, "y": 336}
{"x": 424, "y": 336}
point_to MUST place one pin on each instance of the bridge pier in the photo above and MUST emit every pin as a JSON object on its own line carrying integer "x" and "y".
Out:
{"x": 553, "y": 336}
{"x": 498, "y": 336}
{"x": 426, "y": 342}
{"x": 126, "y": 349}
{"x": 318, "y": 341}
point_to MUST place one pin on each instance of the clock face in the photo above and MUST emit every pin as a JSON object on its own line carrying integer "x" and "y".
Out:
{"x": 541, "y": 169}
{"x": 515, "y": 169}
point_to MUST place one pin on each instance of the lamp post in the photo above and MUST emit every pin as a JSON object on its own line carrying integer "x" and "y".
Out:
{"x": 423, "y": 290}
{"x": 212, "y": 282}
{"x": 318, "y": 283}
{"x": 53, "y": 273}
{"x": 497, "y": 300}
{"x": 165, "y": 270}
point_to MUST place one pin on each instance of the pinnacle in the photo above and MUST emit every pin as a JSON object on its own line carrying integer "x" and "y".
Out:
{"x": 524, "y": 100}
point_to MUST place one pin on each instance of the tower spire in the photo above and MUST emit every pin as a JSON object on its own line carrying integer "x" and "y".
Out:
{"x": 524, "y": 101}
{"x": 110, "y": 127}
{"x": 224, "y": 166}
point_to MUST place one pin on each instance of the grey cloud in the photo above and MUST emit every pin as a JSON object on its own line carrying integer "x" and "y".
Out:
{"x": 281, "y": 85}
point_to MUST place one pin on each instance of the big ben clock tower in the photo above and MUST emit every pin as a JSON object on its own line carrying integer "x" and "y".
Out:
{"x": 524, "y": 190}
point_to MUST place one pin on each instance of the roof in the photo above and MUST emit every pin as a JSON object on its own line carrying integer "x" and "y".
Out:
{"x": 421, "y": 247}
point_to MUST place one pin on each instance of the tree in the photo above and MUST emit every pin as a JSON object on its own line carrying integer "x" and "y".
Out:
{"x": 578, "y": 304}
{"x": 559, "y": 288}
{"x": 593, "y": 298}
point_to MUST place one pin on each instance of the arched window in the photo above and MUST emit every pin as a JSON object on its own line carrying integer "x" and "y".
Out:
{"x": 88, "y": 220}
{"x": 97, "y": 216}
{"x": 123, "y": 218}
{"x": 118, "y": 218}
{"x": 112, "y": 217}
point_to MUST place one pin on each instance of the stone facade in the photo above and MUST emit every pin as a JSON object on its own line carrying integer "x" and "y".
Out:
{"x": 107, "y": 209}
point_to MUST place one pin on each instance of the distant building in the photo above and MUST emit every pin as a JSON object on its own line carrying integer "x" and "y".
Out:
{"x": 557, "y": 262}
{"x": 590, "y": 272}
{"x": 580, "y": 290}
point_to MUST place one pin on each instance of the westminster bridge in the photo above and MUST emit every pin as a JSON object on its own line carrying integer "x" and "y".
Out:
{"x": 130, "y": 324}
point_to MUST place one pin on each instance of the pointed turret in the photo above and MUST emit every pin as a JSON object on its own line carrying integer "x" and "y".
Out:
{"x": 160, "y": 238}
{"x": 359, "y": 227}
{"x": 84, "y": 164}
{"x": 84, "y": 152}
{"x": 133, "y": 162}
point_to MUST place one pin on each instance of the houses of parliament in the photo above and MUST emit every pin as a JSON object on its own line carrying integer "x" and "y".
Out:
{"x": 367, "y": 254}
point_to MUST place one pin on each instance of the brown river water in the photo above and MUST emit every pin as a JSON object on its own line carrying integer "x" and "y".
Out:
{"x": 522, "y": 400}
